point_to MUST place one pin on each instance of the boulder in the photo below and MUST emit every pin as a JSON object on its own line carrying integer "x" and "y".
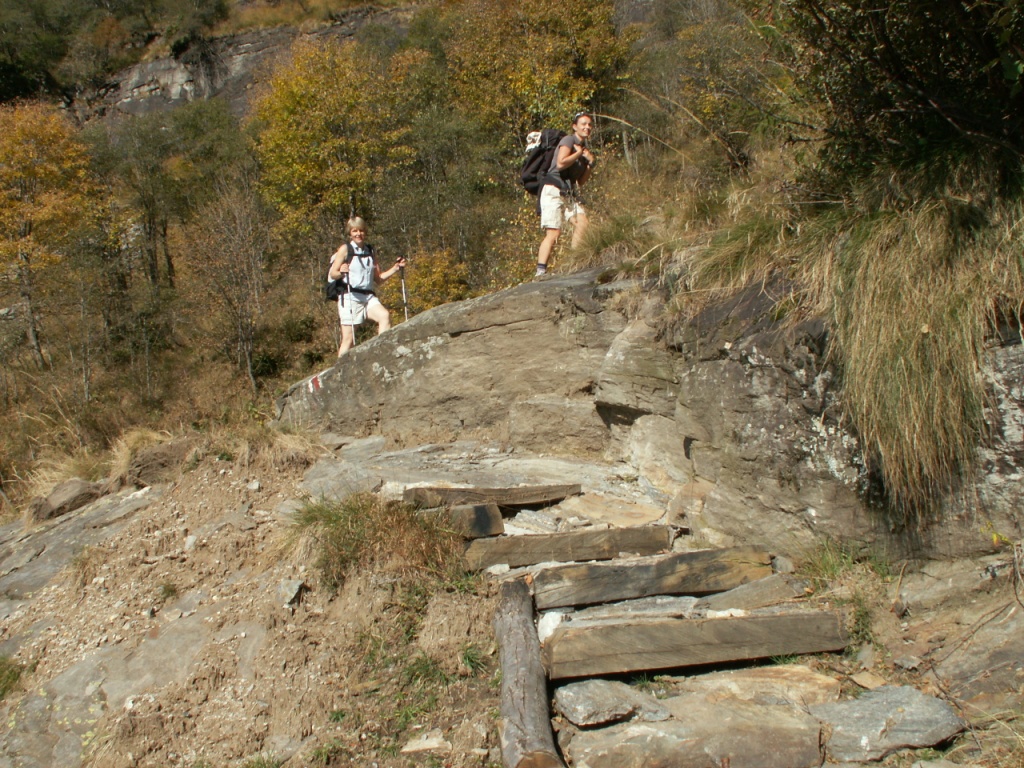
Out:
{"x": 884, "y": 720}
{"x": 64, "y": 498}
{"x": 599, "y": 702}
{"x": 459, "y": 369}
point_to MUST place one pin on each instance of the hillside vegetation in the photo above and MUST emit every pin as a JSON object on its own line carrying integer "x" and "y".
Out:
{"x": 166, "y": 270}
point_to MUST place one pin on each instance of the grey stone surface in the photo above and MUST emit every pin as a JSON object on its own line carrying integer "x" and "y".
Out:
{"x": 483, "y": 355}
{"x": 884, "y": 720}
{"x": 66, "y": 497}
{"x": 705, "y": 735}
{"x": 731, "y": 420}
{"x": 792, "y": 684}
{"x": 986, "y": 672}
{"x": 598, "y": 702}
{"x": 226, "y": 67}
{"x": 29, "y": 560}
{"x": 637, "y": 375}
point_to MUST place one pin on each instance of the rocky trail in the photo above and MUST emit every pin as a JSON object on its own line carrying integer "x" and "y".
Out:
{"x": 708, "y": 587}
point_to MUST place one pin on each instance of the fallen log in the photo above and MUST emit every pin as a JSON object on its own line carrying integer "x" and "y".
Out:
{"x": 471, "y": 521}
{"x": 566, "y": 547}
{"x": 517, "y": 496}
{"x": 525, "y": 726}
{"x": 685, "y": 573}
{"x": 614, "y": 648}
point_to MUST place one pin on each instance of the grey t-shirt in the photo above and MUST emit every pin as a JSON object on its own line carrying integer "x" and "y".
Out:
{"x": 574, "y": 172}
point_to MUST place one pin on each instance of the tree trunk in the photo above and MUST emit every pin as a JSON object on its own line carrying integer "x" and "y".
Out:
{"x": 168, "y": 261}
{"x": 25, "y": 290}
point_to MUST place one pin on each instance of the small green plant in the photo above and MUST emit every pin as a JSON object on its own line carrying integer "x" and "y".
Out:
{"x": 407, "y": 715}
{"x": 473, "y": 659}
{"x": 10, "y": 675}
{"x": 781, "y": 661}
{"x": 168, "y": 591}
{"x": 830, "y": 560}
{"x": 860, "y": 621}
{"x": 423, "y": 671}
{"x": 324, "y": 755}
{"x": 391, "y": 749}
{"x": 337, "y": 716}
{"x": 643, "y": 682}
{"x": 263, "y": 760}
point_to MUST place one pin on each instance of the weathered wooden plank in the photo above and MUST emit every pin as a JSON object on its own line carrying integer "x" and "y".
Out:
{"x": 775, "y": 589}
{"x": 505, "y": 497}
{"x": 525, "y": 726}
{"x": 602, "y": 649}
{"x": 684, "y": 573}
{"x": 566, "y": 547}
{"x": 471, "y": 521}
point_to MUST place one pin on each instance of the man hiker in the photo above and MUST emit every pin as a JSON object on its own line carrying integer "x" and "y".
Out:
{"x": 559, "y": 197}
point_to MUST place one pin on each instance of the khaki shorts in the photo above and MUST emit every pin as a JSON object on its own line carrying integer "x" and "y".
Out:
{"x": 352, "y": 307}
{"x": 555, "y": 210}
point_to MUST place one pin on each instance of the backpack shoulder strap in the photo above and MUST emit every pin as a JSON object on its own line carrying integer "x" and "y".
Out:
{"x": 351, "y": 252}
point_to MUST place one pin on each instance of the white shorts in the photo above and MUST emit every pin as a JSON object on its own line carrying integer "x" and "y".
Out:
{"x": 352, "y": 307}
{"x": 556, "y": 210}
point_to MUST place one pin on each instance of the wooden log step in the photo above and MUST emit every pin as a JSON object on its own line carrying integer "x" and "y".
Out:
{"x": 471, "y": 521}
{"x": 566, "y": 547}
{"x": 604, "y": 648}
{"x": 517, "y": 496}
{"x": 525, "y": 725}
{"x": 775, "y": 589}
{"x": 684, "y": 573}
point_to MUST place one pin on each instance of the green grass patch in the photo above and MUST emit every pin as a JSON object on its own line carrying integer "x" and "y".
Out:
{"x": 10, "y": 675}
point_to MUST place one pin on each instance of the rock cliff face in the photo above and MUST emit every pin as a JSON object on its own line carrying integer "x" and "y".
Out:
{"x": 728, "y": 421}
{"x": 227, "y": 67}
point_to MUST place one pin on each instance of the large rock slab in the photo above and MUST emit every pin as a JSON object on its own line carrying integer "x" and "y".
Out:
{"x": 29, "y": 560}
{"x": 885, "y": 720}
{"x": 460, "y": 368}
{"x": 731, "y": 420}
{"x": 705, "y": 735}
{"x": 792, "y": 684}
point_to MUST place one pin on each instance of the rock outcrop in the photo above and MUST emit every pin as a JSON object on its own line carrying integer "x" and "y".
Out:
{"x": 228, "y": 67}
{"x": 730, "y": 420}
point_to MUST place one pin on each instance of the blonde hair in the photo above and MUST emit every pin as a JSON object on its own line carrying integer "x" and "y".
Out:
{"x": 356, "y": 222}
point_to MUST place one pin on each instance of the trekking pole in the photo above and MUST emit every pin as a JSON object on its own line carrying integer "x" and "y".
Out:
{"x": 351, "y": 311}
{"x": 405, "y": 301}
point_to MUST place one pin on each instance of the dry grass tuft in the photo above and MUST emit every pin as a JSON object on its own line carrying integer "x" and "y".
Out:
{"x": 128, "y": 446}
{"x": 85, "y": 566}
{"x": 52, "y": 471}
{"x": 364, "y": 531}
{"x": 912, "y": 292}
{"x": 253, "y": 445}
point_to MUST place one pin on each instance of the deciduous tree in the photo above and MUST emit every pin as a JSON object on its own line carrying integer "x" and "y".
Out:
{"x": 44, "y": 185}
{"x": 331, "y": 133}
{"x": 522, "y": 64}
